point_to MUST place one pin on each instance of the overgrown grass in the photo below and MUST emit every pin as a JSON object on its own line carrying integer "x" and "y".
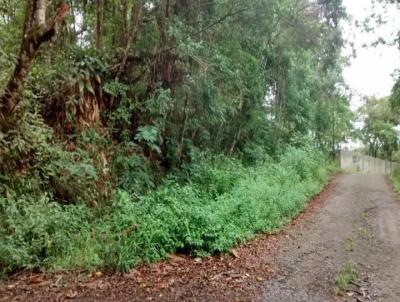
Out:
{"x": 348, "y": 273}
{"x": 221, "y": 204}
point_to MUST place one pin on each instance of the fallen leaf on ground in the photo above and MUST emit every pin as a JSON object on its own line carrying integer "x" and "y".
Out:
{"x": 235, "y": 253}
{"x": 36, "y": 279}
{"x": 71, "y": 294}
{"x": 176, "y": 258}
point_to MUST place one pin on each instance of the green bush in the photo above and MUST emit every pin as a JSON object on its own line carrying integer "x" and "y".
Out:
{"x": 33, "y": 162}
{"x": 223, "y": 204}
{"x": 32, "y": 232}
{"x": 133, "y": 173}
{"x": 215, "y": 175}
{"x": 396, "y": 179}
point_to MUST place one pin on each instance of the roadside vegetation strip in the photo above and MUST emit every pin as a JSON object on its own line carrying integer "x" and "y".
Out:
{"x": 236, "y": 276}
{"x": 395, "y": 178}
{"x": 225, "y": 203}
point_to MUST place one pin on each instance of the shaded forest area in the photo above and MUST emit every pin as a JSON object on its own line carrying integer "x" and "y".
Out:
{"x": 134, "y": 129}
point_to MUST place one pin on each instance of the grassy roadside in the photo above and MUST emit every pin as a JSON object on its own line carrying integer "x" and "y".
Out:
{"x": 395, "y": 179}
{"x": 223, "y": 204}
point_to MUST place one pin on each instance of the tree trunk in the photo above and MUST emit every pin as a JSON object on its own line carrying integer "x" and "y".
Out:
{"x": 124, "y": 29}
{"x": 162, "y": 22}
{"x": 134, "y": 27}
{"x": 40, "y": 14}
{"x": 236, "y": 139}
{"x": 100, "y": 23}
{"x": 36, "y": 32}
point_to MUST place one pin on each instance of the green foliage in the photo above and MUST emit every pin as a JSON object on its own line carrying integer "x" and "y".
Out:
{"x": 253, "y": 154}
{"x": 395, "y": 98}
{"x": 379, "y": 133}
{"x": 7, "y": 62}
{"x": 333, "y": 123}
{"x": 223, "y": 204}
{"x": 396, "y": 179}
{"x": 34, "y": 230}
{"x": 189, "y": 136}
{"x": 34, "y": 163}
{"x": 348, "y": 273}
{"x": 133, "y": 173}
{"x": 149, "y": 135}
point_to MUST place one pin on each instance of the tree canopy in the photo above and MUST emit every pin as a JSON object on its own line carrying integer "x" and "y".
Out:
{"x": 378, "y": 132}
{"x": 169, "y": 75}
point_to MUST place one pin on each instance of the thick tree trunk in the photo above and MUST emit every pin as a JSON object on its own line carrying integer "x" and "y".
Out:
{"x": 36, "y": 32}
{"x": 100, "y": 24}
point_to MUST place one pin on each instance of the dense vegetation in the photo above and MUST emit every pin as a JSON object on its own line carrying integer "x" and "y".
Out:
{"x": 132, "y": 129}
{"x": 381, "y": 132}
{"x": 378, "y": 132}
{"x": 227, "y": 203}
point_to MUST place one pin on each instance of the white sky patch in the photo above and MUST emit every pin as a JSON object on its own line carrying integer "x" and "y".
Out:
{"x": 370, "y": 73}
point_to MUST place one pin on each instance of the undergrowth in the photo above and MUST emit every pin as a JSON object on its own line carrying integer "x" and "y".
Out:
{"x": 347, "y": 274}
{"x": 396, "y": 179}
{"x": 220, "y": 203}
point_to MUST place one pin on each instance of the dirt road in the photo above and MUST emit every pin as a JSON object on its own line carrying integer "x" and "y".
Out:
{"x": 359, "y": 223}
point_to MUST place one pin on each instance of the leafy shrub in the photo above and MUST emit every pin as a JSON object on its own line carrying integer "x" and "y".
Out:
{"x": 149, "y": 135}
{"x": 132, "y": 172}
{"x": 223, "y": 203}
{"x": 396, "y": 179}
{"x": 32, "y": 232}
{"x": 254, "y": 153}
{"x": 34, "y": 163}
{"x": 215, "y": 174}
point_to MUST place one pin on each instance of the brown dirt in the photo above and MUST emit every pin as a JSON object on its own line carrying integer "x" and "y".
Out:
{"x": 240, "y": 276}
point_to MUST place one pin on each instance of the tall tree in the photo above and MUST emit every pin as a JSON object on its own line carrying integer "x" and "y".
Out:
{"x": 36, "y": 31}
{"x": 99, "y": 24}
{"x": 379, "y": 133}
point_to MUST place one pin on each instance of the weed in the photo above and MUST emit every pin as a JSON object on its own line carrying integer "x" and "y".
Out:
{"x": 348, "y": 273}
{"x": 350, "y": 245}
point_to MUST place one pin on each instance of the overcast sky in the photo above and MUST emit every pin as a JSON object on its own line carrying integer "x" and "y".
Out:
{"x": 370, "y": 73}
